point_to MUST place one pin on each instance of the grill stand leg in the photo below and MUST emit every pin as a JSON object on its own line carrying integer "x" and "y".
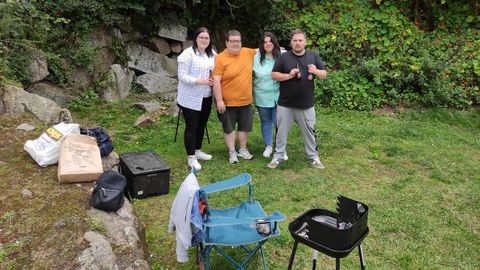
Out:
{"x": 337, "y": 263}
{"x": 292, "y": 256}
{"x": 360, "y": 255}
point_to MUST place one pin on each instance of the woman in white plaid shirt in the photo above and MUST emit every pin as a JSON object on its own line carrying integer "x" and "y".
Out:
{"x": 195, "y": 65}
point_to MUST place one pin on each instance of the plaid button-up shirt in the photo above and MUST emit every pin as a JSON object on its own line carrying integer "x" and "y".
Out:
{"x": 192, "y": 66}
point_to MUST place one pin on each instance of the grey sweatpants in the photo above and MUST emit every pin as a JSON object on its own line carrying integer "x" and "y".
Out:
{"x": 305, "y": 118}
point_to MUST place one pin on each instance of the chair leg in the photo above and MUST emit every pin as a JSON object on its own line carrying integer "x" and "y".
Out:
{"x": 337, "y": 263}
{"x": 178, "y": 123}
{"x": 292, "y": 256}
{"x": 263, "y": 258}
{"x": 208, "y": 137}
{"x": 360, "y": 254}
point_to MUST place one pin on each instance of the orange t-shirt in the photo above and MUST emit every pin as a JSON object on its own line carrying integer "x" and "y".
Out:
{"x": 236, "y": 72}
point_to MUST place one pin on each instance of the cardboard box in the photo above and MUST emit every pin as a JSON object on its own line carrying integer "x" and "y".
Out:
{"x": 80, "y": 159}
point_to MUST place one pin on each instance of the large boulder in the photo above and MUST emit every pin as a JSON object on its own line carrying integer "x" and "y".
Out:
{"x": 60, "y": 95}
{"x": 80, "y": 78}
{"x": 173, "y": 31}
{"x": 120, "y": 246}
{"x": 170, "y": 65}
{"x": 160, "y": 45}
{"x": 176, "y": 46}
{"x": 16, "y": 100}
{"x": 119, "y": 81}
{"x": 144, "y": 60}
{"x": 101, "y": 40}
{"x": 38, "y": 67}
{"x": 157, "y": 83}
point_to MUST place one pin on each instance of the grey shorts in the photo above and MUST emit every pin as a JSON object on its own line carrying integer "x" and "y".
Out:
{"x": 243, "y": 116}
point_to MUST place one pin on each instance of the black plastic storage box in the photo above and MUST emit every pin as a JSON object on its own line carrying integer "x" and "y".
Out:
{"x": 147, "y": 174}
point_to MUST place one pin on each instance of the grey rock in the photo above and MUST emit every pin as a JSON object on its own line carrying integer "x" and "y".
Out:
{"x": 27, "y": 193}
{"x": 157, "y": 83}
{"x": 99, "y": 255}
{"x": 38, "y": 67}
{"x": 119, "y": 82}
{"x": 26, "y": 127}
{"x": 123, "y": 229}
{"x": 170, "y": 65}
{"x": 64, "y": 116}
{"x": 176, "y": 46}
{"x": 173, "y": 31}
{"x": 16, "y": 100}
{"x": 148, "y": 106}
{"x": 80, "y": 78}
{"x": 160, "y": 45}
{"x": 60, "y": 224}
{"x": 143, "y": 120}
{"x": 144, "y": 60}
{"x": 60, "y": 95}
{"x": 187, "y": 43}
{"x": 109, "y": 161}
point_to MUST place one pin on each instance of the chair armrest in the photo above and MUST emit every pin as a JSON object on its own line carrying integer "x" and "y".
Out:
{"x": 228, "y": 221}
{"x": 234, "y": 182}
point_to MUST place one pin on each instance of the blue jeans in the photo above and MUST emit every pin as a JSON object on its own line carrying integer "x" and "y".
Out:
{"x": 268, "y": 118}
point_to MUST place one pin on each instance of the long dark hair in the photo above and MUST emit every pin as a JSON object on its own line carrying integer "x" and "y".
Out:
{"x": 261, "y": 48}
{"x": 208, "y": 50}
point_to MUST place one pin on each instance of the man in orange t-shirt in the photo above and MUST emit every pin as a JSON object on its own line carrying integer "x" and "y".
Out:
{"x": 232, "y": 88}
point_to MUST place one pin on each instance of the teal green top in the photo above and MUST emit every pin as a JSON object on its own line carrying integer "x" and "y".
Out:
{"x": 265, "y": 90}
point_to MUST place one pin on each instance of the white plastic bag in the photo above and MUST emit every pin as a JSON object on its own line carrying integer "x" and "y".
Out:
{"x": 46, "y": 149}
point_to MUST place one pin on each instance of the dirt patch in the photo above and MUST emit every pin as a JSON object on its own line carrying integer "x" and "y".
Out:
{"x": 41, "y": 222}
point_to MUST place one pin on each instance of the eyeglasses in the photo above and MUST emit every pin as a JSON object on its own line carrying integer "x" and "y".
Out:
{"x": 235, "y": 41}
{"x": 204, "y": 38}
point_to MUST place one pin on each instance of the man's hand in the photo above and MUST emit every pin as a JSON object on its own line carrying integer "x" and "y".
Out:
{"x": 221, "y": 107}
{"x": 320, "y": 73}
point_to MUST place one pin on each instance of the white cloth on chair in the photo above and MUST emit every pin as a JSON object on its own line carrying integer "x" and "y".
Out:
{"x": 180, "y": 216}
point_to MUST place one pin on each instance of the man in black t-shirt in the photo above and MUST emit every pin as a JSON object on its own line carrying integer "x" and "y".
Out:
{"x": 295, "y": 70}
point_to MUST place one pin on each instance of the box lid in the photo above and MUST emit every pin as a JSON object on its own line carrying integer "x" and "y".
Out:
{"x": 143, "y": 162}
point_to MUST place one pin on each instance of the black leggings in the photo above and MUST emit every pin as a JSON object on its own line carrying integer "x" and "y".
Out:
{"x": 195, "y": 122}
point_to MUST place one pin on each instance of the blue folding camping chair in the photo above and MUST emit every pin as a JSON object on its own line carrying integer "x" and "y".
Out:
{"x": 245, "y": 225}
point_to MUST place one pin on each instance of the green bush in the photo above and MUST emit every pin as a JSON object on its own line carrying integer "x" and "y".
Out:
{"x": 377, "y": 56}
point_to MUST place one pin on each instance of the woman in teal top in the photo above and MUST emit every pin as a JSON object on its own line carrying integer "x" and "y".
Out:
{"x": 266, "y": 90}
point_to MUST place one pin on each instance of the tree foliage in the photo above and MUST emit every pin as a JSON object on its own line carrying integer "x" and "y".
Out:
{"x": 377, "y": 52}
{"x": 379, "y": 56}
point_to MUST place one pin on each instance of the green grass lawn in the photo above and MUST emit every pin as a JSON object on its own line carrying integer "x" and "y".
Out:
{"x": 418, "y": 171}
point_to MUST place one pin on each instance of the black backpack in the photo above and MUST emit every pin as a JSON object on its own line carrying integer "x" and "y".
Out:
{"x": 108, "y": 191}
{"x": 104, "y": 142}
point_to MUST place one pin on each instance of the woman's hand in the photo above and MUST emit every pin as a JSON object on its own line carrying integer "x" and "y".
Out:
{"x": 205, "y": 81}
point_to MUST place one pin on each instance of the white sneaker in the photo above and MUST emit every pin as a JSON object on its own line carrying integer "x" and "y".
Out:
{"x": 193, "y": 163}
{"x": 202, "y": 155}
{"x": 274, "y": 163}
{"x": 316, "y": 163}
{"x": 243, "y": 152}
{"x": 285, "y": 157}
{"x": 268, "y": 151}
{"x": 232, "y": 157}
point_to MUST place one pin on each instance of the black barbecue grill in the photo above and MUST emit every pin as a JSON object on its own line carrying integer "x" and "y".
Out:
{"x": 334, "y": 234}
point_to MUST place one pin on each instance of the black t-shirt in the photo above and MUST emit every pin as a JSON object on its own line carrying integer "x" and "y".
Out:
{"x": 297, "y": 93}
